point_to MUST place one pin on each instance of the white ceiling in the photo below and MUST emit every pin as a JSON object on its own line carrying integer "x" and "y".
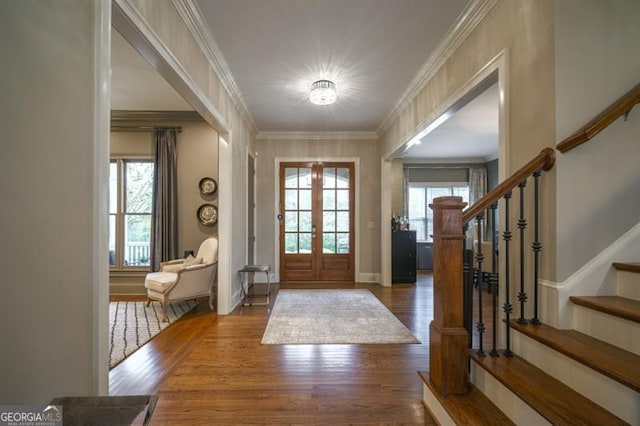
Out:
{"x": 275, "y": 49}
{"x": 370, "y": 48}
{"x": 136, "y": 85}
{"x": 470, "y": 133}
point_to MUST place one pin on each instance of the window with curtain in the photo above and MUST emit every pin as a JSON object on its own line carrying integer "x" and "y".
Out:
{"x": 130, "y": 207}
{"x": 420, "y": 196}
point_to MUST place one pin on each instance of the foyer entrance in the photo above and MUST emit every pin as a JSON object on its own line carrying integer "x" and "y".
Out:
{"x": 316, "y": 218}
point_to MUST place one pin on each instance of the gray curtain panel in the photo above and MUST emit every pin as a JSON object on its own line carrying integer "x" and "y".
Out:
{"x": 477, "y": 183}
{"x": 405, "y": 192}
{"x": 164, "y": 219}
{"x": 477, "y": 190}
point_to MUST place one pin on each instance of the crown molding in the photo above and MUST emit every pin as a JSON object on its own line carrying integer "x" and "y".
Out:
{"x": 317, "y": 136}
{"x": 199, "y": 29}
{"x": 475, "y": 11}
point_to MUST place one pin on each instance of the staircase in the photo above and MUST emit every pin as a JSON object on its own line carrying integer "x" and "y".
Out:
{"x": 588, "y": 375}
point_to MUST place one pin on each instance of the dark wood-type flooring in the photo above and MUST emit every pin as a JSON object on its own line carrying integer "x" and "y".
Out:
{"x": 213, "y": 370}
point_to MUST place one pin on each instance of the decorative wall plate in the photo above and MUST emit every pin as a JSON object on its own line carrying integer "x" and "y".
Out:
{"x": 208, "y": 214}
{"x": 208, "y": 185}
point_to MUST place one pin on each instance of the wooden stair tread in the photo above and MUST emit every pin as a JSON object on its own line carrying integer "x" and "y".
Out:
{"x": 624, "y": 266}
{"x": 554, "y": 400}
{"x": 589, "y": 351}
{"x": 617, "y": 306}
{"x": 473, "y": 408}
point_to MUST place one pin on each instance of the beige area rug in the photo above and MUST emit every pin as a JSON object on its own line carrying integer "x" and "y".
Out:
{"x": 132, "y": 324}
{"x": 332, "y": 317}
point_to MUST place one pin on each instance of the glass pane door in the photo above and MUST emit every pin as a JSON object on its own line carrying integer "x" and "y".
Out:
{"x": 297, "y": 214}
{"x": 335, "y": 210}
{"x": 316, "y": 221}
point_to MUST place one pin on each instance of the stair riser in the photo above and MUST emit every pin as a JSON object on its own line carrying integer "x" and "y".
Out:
{"x": 609, "y": 394}
{"x": 512, "y": 406}
{"x": 628, "y": 284}
{"x": 435, "y": 408}
{"x": 616, "y": 331}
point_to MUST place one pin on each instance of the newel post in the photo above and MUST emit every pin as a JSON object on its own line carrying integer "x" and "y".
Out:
{"x": 448, "y": 365}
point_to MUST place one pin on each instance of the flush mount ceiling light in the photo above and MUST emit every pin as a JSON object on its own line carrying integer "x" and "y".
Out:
{"x": 323, "y": 92}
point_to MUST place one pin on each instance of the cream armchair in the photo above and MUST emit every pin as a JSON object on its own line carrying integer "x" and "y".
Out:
{"x": 181, "y": 279}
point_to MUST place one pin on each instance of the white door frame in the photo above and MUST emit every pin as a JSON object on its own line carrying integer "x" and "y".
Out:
{"x": 226, "y": 277}
{"x": 102, "y": 105}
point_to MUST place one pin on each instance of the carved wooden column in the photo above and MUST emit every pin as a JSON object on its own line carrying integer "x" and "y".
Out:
{"x": 448, "y": 365}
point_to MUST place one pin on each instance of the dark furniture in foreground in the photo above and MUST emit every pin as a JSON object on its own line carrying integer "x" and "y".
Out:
{"x": 106, "y": 410}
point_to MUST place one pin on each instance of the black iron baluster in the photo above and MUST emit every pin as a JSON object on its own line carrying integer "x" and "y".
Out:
{"x": 508, "y": 308}
{"x": 493, "y": 282}
{"x": 479, "y": 261}
{"x": 467, "y": 282}
{"x": 522, "y": 225}
{"x": 537, "y": 247}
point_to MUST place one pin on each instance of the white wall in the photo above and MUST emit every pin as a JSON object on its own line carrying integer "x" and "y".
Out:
{"x": 53, "y": 288}
{"x": 597, "y": 61}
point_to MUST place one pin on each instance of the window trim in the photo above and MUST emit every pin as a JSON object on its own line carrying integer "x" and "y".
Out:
{"x": 431, "y": 185}
{"x": 120, "y": 215}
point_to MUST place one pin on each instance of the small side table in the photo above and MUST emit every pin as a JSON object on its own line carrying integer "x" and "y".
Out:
{"x": 245, "y": 274}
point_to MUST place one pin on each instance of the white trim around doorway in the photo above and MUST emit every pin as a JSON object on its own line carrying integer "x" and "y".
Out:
{"x": 102, "y": 104}
{"x": 499, "y": 65}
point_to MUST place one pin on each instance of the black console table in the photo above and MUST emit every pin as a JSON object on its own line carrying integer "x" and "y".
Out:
{"x": 403, "y": 256}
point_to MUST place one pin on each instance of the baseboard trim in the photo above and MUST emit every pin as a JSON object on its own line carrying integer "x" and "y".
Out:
{"x": 368, "y": 277}
{"x": 235, "y": 300}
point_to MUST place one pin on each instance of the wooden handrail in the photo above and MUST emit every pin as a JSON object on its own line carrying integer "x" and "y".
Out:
{"x": 545, "y": 161}
{"x": 602, "y": 120}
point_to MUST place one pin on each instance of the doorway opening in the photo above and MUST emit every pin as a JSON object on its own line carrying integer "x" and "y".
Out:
{"x": 437, "y": 144}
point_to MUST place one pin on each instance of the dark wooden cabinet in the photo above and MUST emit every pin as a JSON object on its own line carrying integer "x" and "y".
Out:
{"x": 403, "y": 257}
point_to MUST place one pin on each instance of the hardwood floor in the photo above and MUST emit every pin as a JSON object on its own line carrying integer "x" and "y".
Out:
{"x": 213, "y": 370}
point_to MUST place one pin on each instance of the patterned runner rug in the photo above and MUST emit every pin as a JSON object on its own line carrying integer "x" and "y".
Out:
{"x": 132, "y": 324}
{"x": 332, "y": 316}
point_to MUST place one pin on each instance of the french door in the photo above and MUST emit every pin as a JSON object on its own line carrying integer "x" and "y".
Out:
{"x": 317, "y": 221}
